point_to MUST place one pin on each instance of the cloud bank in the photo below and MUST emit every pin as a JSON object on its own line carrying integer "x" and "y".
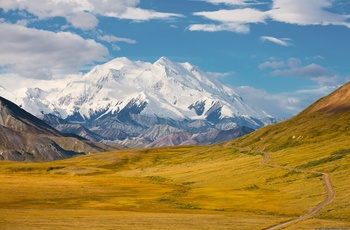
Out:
{"x": 37, "y": 53}
{"x": 282, "y": 105}
{"x": 294, "y": 68}
{"x": 299, "y": 12}
{"x": 83, "y": 14}
{"x": 236, "y": 20}
{"x": 310, "y": 12}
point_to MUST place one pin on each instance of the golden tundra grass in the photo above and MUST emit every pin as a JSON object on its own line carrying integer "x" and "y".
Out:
{"x": 319, "y": 142}
{"x": 216, "y": 187}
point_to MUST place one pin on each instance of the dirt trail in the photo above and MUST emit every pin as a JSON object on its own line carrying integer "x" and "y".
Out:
{"x": 314, "y": 211}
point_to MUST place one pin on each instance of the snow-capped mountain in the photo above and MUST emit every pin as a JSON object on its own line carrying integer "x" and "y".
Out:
{"x": 163, "y": 89}
{"x": 124, "y": 99}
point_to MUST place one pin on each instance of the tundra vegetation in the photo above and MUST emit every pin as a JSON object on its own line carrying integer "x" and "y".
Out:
{"x": 211, "y": 187}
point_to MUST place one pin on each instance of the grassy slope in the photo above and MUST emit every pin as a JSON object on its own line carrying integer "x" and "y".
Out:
{"x": 200, "y": 187}
{"x": 314, "y": 141}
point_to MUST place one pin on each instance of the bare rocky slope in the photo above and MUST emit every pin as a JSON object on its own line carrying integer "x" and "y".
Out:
{"x": 24, "y": 137}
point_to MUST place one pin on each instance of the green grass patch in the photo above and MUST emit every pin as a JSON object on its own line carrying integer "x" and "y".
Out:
{"x": 331, "y": 158}
{"x": 342, "y": 152}
{"x": 252, "y": 187}
{"x": 48, "y": 169}
{"x": 291, "y": 173}
{"x": 188, "y": 206}
{"x": 188, "y": 183}
{"x": 289, "y": 144}
{"x": 24, "y": 169}
{"x": 250, "y": 153}
{"x": 315, "y": 175}
{"x": 336, "y": 155}
{"x": 157, "y": 179}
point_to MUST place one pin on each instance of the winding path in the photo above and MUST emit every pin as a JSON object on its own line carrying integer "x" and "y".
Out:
{"x": 314, "y": 211}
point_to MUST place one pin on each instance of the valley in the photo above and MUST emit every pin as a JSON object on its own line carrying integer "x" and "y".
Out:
{"x": 161, "y": 188}
{"x": 291, "y": 175}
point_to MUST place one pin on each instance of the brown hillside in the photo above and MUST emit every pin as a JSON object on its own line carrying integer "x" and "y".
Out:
{"x": 336, "y": 102}
{"x": 24, "y": 137}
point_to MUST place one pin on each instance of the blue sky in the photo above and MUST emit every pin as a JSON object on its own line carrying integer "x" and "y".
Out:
{"x": 288, "y": 52}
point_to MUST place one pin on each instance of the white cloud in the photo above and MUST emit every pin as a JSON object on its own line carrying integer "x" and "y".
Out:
{"x": 278, "y": 41}
{"x": 300, "y": 12}
{"x": 272, "y": 64}
{"x": 327, "y": 80}
{"x": 310, "y": 12}
{"x": 232, "y": 27}
{"x": 279, "y": 105}
{"x": 83, "y": 13}
{"x": 282, "y": 105}
{"x": 243, "y": 16}
{"x": 294, "y": 63}
{"x": 77, "y": 13}
{"x": 83, "y": 20}
{"x": 237, "y": 20}
{"x": 320, "y": 91}
{"x": 294, "y": 68}
{"x": 235, "y": 2}
{"x": 309, "y": 71}
{"x": 111, "y": 38}
{"x": 317, "y": 57}
{"x": 13, "y": 82}
{"x": 40, "y": 54}
{"x": 138, "y": 14}
{"x": 308, "y": 96}
{"x": 227, "y": 2}
{"x": 220, "y": 75}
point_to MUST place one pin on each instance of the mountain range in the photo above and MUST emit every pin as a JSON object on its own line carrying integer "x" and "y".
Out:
{"x": 140, "y": 104}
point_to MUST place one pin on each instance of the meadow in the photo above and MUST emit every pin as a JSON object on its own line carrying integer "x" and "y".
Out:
{"x": 208, "y": 187}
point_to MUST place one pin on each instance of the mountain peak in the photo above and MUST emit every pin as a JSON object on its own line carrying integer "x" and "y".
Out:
{"x": 118, "y": 63}
{"x": 163, "y": 60}
{"x": 170, "y": 68}
{"x": 167, "y": 64}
